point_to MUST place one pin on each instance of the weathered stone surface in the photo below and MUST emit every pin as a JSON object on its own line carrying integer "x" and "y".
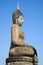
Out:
{"x": 19, "y": 63}
{"x": 35, "y": 59}
{"x": 19, "y": 58}
{"x": 22, "y": 51}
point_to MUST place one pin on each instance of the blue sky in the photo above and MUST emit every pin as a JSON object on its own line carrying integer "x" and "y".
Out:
{"x": 32, "y": 27}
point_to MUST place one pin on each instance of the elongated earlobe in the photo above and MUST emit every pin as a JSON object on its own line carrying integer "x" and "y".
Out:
{"x": 16, "y": 20}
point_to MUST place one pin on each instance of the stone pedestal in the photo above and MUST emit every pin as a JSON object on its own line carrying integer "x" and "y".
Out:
{"x": 19, "y": 63}
{"x": 20, "y": 60}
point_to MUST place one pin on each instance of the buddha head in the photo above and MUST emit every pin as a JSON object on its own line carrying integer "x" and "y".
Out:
{"x": 17, "y": 17}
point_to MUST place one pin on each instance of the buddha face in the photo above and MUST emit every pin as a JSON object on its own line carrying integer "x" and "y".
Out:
{"x": 20, "y": 20}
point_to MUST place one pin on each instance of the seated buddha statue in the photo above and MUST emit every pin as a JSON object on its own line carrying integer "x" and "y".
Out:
{"x": 18, "y": 46}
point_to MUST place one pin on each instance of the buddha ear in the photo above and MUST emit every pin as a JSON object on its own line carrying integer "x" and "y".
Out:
{"x": 16, "y": 20}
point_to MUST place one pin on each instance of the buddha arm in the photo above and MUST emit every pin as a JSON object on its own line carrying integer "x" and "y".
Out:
{"x": 15, "y": 33}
